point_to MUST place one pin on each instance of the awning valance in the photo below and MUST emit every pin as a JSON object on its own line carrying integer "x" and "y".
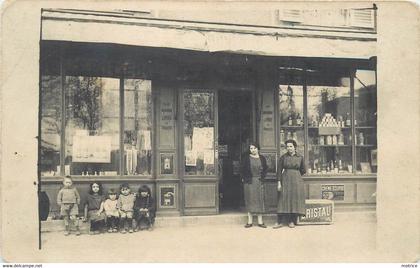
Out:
{"x": 210, "y": 37}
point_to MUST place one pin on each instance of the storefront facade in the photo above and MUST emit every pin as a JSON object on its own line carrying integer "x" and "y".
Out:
{"x": 174, "y": 104}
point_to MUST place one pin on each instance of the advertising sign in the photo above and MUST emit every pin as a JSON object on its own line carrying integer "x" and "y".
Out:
{"x": 317, "y": 211}
{"x": 332, "y": 192}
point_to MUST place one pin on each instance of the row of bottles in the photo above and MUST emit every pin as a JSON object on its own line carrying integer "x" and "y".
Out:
{"x": 329, "y": 167}
{"x": 325, "y": 139}
{"x": 295, "y": 121}
{"x": 339, "y": 139}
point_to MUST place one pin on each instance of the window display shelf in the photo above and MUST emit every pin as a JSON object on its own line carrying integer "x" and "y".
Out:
{"x": 334, "y": 145}
{"x": 366, "y": 145}
{"x": 343, "y": 128}
{"x": 292, "y": 127}
{"x": 365, "y": 127}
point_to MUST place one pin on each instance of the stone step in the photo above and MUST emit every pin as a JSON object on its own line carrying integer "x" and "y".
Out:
{"x": 221, "y": 219}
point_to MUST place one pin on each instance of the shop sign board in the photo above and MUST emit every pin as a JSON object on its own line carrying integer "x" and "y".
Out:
{"x": 317, "y": 211}
{"x": 332, "y": 192}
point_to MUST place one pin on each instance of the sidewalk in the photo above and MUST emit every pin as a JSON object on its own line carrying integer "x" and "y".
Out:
{"x": 344, "y": 241}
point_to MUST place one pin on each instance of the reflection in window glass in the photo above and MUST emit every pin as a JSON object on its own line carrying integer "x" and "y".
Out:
{"x": 50, "y": 125}
{"x": 329, "y": 129}
{"x": 92, "y": 126}
{"x": 137, "y": 127}
{"x": 365, "y": 123}
{"x": 199, "y": 133}
{"x": 291, "y": 116}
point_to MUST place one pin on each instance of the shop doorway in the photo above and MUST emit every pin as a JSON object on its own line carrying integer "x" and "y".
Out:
{"x": 235, "y": 133}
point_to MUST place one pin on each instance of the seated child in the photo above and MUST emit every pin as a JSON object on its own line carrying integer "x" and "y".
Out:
{"x": 68, "y": 199}
{"x": 92, "y": 206}
{"x": 144, "y": 209}
{"x": 111, "y": 211}
{"x": 125, "y": 207}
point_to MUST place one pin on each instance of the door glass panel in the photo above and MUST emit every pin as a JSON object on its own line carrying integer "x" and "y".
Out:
{"x": 137, "y": 127}
{"x": 199, "y": 126}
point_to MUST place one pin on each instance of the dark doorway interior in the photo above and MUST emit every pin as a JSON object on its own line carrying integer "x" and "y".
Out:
{"x": 235, "y": 132}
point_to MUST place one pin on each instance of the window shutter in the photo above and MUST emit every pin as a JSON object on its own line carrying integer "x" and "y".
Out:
{"x": 291, "y": 15}
{"x": 362, "y": 18}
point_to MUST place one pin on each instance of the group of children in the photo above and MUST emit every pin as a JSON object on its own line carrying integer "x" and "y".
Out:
{"x": 128, "y": 212}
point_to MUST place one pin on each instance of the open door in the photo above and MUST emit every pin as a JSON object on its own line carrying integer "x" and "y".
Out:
{"x": 235, "y": 133}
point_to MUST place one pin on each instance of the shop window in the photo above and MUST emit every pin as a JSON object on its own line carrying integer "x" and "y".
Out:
{"x": 291, "y": 117}
{"x": 365, "y": 121}
{"x": 199, "y": 133}
{"x": 92, "y": 126}
{"x": 137, "y": 127}
{"x": 50, "y": 125}
{"x": 329, "y": 129}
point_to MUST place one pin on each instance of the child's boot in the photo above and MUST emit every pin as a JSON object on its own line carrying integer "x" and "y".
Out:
{"x": 134, "y": 224}
{"x": 122, "y": 225}
{"x": 76, "y": 223}
{"x": 67, "y": 230}
{"x": 128, "y": 225}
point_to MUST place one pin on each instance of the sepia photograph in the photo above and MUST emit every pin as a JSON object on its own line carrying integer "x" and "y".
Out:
{"x": 210, "y": 132}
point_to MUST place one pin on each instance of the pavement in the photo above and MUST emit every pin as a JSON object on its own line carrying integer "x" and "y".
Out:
{"x": 215, "y": 242}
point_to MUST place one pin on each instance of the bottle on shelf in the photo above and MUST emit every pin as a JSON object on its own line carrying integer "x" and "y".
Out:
{"x": 321, "y": 140}
{"x": 340, "y": 139}
{"x": 348, "y": 120}
{"x": 334, "y": 140}
{"x": 298, "y": 120}
{"x": 282, "y": 136}
{"x": 289, "y": 135}
{"x": 290, "y": 121}
{"x": 361, "y": 139}
{"x": 329, "y": 140}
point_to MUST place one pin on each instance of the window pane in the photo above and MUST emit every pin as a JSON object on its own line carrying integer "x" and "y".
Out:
{"x": 137, "y": 127}
{"x": 199, "y": 133}
{"x": 365, "y": 123}
{"x": 291, "y": 116}
{"x": 50, "y": 125}
{"x": 329, "y": 128}
{"x": 92, "y": 126}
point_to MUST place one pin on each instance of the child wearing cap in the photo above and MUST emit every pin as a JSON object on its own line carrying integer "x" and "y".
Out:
{"x": 111, "y": 211}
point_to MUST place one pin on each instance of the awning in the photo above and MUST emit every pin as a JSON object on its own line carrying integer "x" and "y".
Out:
{"x": 94, "y": 27}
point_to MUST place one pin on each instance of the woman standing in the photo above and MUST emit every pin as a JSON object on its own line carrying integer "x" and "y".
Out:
{"x": 253, "y": 171}
{"x": 291, "y": 198}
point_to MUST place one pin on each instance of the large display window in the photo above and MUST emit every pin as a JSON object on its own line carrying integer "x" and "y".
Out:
{"x": 102, "y": 135}
{"x": 92, "y": 126}
{"x": 332, "y": 117}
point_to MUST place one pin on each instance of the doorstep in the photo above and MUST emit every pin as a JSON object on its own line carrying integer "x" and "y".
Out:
{"x": 221, "y": 219}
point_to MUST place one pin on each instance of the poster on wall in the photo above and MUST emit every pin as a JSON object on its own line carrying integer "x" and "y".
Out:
{"x": 167, "y": 196}
{"x": 190, "y": 158}
{"x": 92, "y": 149}
{"x": 166, "y": 163}
{"x": 202, "y": 138}
{"x": 208, "y": 157}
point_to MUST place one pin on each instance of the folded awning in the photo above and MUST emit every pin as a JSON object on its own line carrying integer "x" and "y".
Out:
{"x": 66, "y": 25}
